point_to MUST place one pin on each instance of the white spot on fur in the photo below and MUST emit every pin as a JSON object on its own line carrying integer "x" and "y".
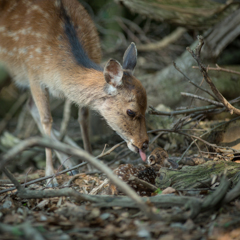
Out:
{"x": 2, "y": 29}
{"x": 111, "y": 90}
{"x": 38, "y": 50}
{"x": 22, "y": 50}
{"x": 57, "y": 3}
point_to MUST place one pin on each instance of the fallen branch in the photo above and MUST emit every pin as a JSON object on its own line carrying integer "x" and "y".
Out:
{"x": 232, "y": 194}
{"x": 103, "y": 154}
{"x": 83, "y": 155}
{"x": 144, "y": 183}
{"x": 213, "y": 199}
{"x": 47, "y": 177}
{"x": 172, "y": 37}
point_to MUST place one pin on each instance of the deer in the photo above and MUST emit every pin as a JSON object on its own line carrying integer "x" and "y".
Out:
{"x": 52, "y": 47}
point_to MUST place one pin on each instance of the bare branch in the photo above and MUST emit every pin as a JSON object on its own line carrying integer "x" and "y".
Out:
{"x": 220, "y": 69}
{"x": 202, "y": 99}
{"x": 208, "y": 79}
{"x": 83, "y": 155}
{"x": 193, "y": 83}
{"x": 172, "y": 37}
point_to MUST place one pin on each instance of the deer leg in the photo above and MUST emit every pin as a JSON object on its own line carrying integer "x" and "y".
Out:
{"x": 41, "y": 99}
{"x": 83, "y": 119}
{"x": 63, "y": 158}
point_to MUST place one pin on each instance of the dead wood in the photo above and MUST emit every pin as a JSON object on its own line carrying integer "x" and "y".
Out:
{"x": 194, "y": 205}
{"x": 191, "y": 14}
{"x": 200, "y": 176}
{"x": 45, "y": 178}
{"x": 213, "y": 199}
{"x": 171, "y": 38}
{"x": 45, "y": 142}
{"x": 144, "y": 183}
{"x": 233, "y": 193}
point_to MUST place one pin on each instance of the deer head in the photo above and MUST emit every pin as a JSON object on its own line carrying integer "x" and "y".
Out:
{"x": 124, "y": 109}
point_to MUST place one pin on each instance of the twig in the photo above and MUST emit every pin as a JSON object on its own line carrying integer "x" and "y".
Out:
{"x": 12, "y": 111}
{"x": 99, "y": 188}
{"x": 196, "y": 110}
{"x": 144, "y": 183}
{"x": 205, "y": 134}
{"x": 103, "y": 149}
{"x": 202, "y": 98}
{"x": 172, "y": 37}
{"x": 13, "y": 179}
{"x": 203, "y": 70}
{"x": 110, "y": 150}
{"x": 45, "y": 178}
{"x": 220, "y": 69}
{"x": 57, "y": 173}
{"x": 46, "y": 142}
{"x": 191, "y": 136}
{"x": 153, "y": 111}
{"x": 193, "y": 83}
{"x": 26, "y": 177}
{"x": 133, "y": 27}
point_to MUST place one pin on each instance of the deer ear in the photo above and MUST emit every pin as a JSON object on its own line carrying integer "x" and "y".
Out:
{"x": 113, "y": 73}
{"x": 130, "y": 57}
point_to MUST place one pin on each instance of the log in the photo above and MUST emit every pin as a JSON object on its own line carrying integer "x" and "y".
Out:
{"x": 187, "y": 13}
{"x": 200, "y": 176}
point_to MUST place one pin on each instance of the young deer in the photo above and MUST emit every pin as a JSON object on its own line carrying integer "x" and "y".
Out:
{"x": 53, "y": 46}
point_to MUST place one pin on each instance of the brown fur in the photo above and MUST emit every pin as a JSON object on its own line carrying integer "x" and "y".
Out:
{"x": 35, "y": 50}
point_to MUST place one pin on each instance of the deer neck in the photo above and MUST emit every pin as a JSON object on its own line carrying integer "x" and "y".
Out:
{"x": 86, "y": 87}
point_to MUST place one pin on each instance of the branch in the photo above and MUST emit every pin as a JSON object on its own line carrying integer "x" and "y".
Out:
{"x": 153, "y": 111}
{"x": 220, "y": 69}
{"x": 212, "y": 200}
{"x": 103, "y": 154}
{"x": 83, "y": 155}
{"x": 144, "y": 183}
{"x": 202, "y": 98}
{"x": 232, "y": 194}
{"x": 172, "y": 37}
{"x": 196, "y": 56}
{"x": 193, "y": 83}
{"x": 45, "y": 178}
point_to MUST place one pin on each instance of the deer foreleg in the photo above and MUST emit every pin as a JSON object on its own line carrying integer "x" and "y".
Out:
{"x": 41, "y": 99}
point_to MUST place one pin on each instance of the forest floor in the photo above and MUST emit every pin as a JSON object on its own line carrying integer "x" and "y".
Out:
{"x": 65, "y": 218}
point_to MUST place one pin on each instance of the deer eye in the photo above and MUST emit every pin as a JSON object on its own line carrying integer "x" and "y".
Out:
{"x": 131, "y": 113}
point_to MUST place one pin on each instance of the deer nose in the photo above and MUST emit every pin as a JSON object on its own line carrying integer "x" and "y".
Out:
{"x": 145, "y": 146}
